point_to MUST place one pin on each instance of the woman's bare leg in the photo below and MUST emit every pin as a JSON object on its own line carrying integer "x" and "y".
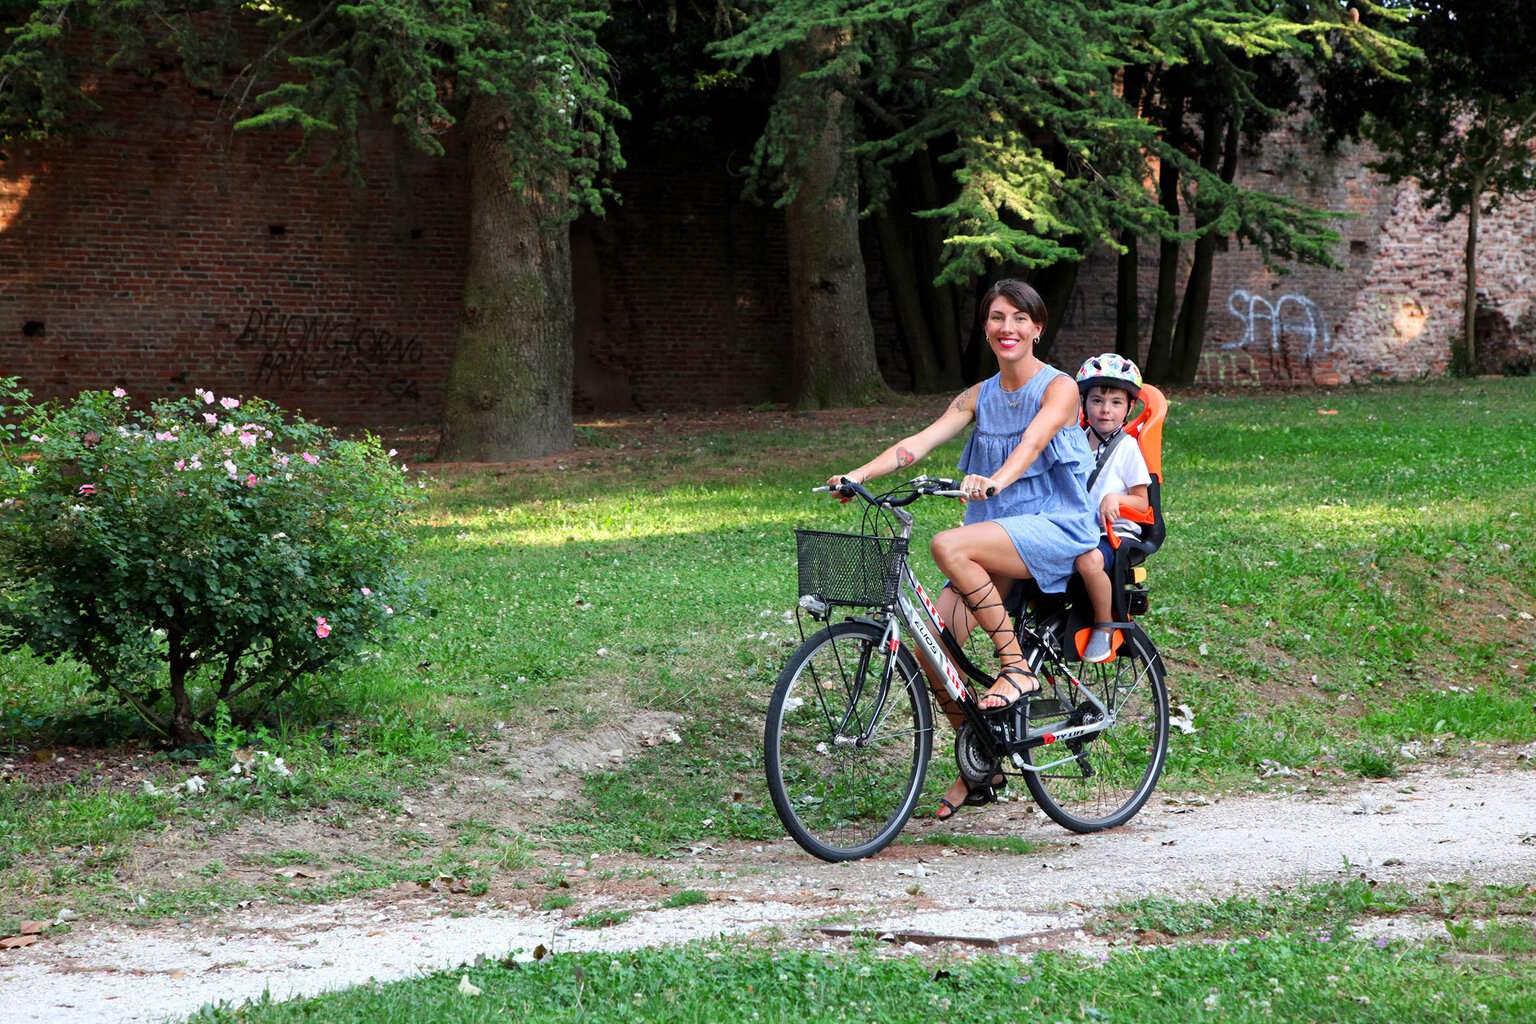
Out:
{"x": 974, "y": 557}
{"x": 961, "y": 620}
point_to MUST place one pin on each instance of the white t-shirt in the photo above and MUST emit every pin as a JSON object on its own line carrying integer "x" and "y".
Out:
{"x": 1123, "y": 469}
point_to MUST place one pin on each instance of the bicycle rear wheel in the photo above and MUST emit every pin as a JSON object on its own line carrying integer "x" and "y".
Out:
{"x": 845, "y": 757}
{"x": 1116, "y": 770}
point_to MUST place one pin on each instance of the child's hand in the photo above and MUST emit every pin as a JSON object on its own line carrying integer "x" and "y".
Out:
{"x": 1109, "y": 506}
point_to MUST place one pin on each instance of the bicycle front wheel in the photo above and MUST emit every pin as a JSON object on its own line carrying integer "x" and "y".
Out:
{"x": 846, "y": 753}
{"x": 1114, "y": 771}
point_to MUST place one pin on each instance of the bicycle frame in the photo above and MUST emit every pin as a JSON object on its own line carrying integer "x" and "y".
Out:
{"x": 919, "y": 617}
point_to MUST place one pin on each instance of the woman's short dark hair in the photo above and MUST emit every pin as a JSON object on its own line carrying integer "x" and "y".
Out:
{"x": 1021, "y": 295}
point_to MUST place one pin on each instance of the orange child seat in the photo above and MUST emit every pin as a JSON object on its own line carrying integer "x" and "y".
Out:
{"x": 1129, "y": 592}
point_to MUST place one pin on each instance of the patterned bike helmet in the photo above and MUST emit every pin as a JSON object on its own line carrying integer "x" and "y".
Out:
{"x": 1109, "y": 370}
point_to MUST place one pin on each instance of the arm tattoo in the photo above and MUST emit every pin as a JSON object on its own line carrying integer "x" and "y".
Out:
{"x": 904, "y": 458}
{"x": 959, "y": 405}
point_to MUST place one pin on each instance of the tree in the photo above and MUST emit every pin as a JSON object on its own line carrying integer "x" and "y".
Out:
{"x": 808, "y": 146}
{"x": 524, "y": 80}
{"x": 1073, "y": 124}
{"x": 1224, "y": 77}
{"x": 1463, "y": 125}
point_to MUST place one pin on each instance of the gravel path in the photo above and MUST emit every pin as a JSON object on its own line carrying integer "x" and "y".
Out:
{"x": 1427, "y": 825}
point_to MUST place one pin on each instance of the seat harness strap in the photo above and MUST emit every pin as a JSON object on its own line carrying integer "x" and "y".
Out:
{"x": 1106, "y": 445}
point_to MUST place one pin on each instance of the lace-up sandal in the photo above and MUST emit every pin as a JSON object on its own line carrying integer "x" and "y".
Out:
{"x": 1011, "y": 674}
{"x": 978, "y": 795}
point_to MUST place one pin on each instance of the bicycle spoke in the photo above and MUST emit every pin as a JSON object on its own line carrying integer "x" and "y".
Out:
{"x": 1115, "y": 769}
{"x": 850, "y": 798}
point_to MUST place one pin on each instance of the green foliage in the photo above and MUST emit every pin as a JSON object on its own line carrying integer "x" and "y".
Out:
{"x": 1022, "y": 99}
{"x": 197, "y": 552}
{"x": 325, "y": 69}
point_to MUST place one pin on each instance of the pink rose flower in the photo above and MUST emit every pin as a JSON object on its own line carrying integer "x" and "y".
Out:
{"x": 250, "y": 480}
{"x": 230, "y": 403}
{"x": 311, "y": 459}
{"x": 366, "y": 591}
{"x": 321, "y": 629}
{"x": 249, "y": 440}
{"x": 119, "y": 393}
{"x": 181, "y": 464}
{"x": 165, "y": 435}
{"x": 87, "y": 488}
{"x": 209, "y": 417}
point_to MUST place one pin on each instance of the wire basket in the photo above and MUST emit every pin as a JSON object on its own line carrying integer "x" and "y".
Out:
{"x": 850, "y": 568}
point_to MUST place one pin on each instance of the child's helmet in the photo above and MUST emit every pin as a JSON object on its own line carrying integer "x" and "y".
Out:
{"x": 1109, "y": 370}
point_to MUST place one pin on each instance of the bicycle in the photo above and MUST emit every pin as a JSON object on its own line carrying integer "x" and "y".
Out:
{"x": 850, "y": 727}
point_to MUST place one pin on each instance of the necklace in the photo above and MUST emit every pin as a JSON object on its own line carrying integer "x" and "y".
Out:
{"x": 1013, "y": 403}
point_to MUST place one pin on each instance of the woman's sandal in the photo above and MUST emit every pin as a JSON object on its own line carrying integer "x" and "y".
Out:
{"x": 978, "y": 795}
{"x": 1019, "y": 692}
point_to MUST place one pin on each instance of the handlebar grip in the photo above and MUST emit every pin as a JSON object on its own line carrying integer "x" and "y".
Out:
{"x": 991, "y": 491}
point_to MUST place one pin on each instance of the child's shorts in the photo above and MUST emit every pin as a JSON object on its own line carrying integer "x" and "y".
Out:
{"x": 1109, "y": 554}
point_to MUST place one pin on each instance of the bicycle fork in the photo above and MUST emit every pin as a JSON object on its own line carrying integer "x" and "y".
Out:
{"x": 864, "y": 734}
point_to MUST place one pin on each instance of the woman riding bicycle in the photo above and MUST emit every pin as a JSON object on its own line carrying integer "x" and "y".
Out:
{"x": 1029, "y": 515}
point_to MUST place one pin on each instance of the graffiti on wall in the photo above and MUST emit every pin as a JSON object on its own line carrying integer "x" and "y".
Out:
{"x": 1228, "y": 369}
{"x": 1292, "y": 328}
{"x": 299, "y": 351}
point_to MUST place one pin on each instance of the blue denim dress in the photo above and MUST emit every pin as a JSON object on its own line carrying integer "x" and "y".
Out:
{"x": 1046, "y": 512}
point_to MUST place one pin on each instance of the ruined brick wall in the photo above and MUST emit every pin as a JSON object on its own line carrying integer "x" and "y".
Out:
{"x": 1388, "y": 313}
{"x": 170, "y": 252}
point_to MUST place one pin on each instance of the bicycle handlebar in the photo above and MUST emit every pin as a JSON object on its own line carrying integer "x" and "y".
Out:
{"x": 942, "y": 487}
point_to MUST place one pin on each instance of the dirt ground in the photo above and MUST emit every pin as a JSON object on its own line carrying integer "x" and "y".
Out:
{"x": 1466, "y": 820}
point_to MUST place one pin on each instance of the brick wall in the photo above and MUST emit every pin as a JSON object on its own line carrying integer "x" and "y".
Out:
{"x": 172, "y": 252}
{"x": 682, "y": 290}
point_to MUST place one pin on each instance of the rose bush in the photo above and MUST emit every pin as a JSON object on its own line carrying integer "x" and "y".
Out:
{"x": 204, "y": 550}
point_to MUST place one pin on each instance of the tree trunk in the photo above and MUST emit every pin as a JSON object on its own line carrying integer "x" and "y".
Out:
{"x": 1469, "y": 299}
{"x": 1128, "y": 299}
{"x": 1160, "y": 341}
{"x": 1218, "y": 154}
{"x": 901, "y": 283}
{"x": 834, "y": 340}
{"x": 1055, "y": 284}
{"x": 946, "y": 304}
{"x": 1127, "y": 271}
{"x": 509, "y": 386}
{"x": 183, "y": 724}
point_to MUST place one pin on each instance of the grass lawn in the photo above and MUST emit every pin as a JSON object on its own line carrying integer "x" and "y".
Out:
{"x": 1296, "y": 960}
{"x": 1338, "y": 592}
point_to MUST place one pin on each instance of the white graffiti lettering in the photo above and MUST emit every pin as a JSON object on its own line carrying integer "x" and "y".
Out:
{"x": 1294, "y": 315}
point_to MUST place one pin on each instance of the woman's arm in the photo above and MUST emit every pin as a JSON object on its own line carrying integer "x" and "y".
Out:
{"x": 908, "y": 450}
{"x": 1058, "y": 409}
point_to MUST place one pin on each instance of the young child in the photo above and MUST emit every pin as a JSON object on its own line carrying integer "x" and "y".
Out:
{"x": 1109, "y": 385}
